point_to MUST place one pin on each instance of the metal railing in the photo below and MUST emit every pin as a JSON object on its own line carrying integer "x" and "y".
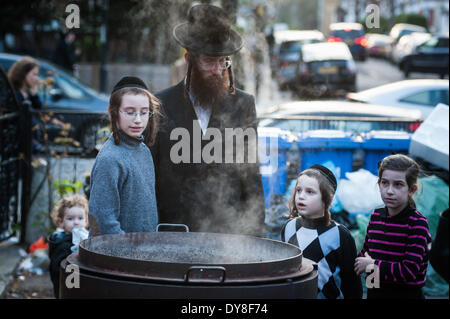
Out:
{"x": 15, "y": 158}
{"x": 71, "y": 132}
{"x": 25, "y": 133}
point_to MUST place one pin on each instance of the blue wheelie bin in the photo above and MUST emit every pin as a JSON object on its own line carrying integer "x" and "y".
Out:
{"x": 320, "y": 146}
{"x": 379, "y": 144}
{"x": 273, "y": 144}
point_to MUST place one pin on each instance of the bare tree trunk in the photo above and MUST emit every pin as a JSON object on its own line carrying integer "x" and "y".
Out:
{"x": 393, "y": 4}
{"x": 357, "y": 2}
{"x": 230, "y": 6}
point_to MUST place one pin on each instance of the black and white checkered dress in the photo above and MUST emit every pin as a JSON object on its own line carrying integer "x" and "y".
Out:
{"x": 333, "y": 248}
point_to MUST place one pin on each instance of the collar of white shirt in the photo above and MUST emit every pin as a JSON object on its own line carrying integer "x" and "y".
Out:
{"x": 203, "y": 113}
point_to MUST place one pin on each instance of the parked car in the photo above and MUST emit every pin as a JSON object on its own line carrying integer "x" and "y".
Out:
{"x": 353, "y": 35}
{"x": 287, "y": 51}
{"x": 422, "y": 95}
{"x": 430, "y": 57}
{"x": 378, "y": 45}
{"x": 407, "y": 44}
{"x": 401, "y": 29}
{"x": 71, "y": 102}
{"x": 324, "y": 67}
{"x": 301, "y": 116}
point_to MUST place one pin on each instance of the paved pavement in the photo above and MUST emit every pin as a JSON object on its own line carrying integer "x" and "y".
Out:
{"x": 21, "y": 284}
{"x": 10, "y": 258}
{"x": 30, "y": 286}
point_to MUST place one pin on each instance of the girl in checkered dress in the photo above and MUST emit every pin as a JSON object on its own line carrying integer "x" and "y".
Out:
{"x": 321, "y": 239}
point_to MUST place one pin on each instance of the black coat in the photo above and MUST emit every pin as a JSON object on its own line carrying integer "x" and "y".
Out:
{"x": 209, "y": 197}
{"x": 439, "y": 249}
{"x": 65, "y": 56}
{"x": 59, "y": 249}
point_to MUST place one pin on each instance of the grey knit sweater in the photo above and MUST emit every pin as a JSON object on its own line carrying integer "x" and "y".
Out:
{"x": 122, "y": 194}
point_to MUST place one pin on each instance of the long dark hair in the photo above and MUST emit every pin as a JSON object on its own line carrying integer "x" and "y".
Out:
{"x": 153, "y": 123}
{"x": 402, "y": 163}
{"x": 19, "y": 70}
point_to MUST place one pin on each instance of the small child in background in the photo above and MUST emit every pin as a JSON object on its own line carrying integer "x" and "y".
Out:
{"x": 397, "y": 236}
{"x": 70, "y": 215}
{"x": 321, "y": 239}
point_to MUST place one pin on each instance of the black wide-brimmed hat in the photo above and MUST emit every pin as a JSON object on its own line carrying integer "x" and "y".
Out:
{"x": 208, "y": 31}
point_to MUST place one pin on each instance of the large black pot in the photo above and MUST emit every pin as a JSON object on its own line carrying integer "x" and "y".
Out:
{"x": 188, "y": 265}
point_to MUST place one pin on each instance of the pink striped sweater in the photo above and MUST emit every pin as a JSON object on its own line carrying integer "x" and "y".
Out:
{"x": 399, "y": 245}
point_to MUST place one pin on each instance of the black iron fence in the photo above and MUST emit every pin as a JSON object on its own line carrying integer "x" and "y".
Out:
{"x": 70, "y": 131}
{"x": 27, "y": 134}
{"x": 15, "y": 158}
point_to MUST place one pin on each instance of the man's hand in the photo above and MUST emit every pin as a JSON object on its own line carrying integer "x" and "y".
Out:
{"x": 361, "y": 263}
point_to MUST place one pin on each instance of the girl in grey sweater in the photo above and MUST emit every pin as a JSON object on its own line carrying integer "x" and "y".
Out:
{"x": 122, "y": 198}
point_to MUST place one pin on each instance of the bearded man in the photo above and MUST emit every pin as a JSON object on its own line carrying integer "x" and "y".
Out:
{"x": 205, "y": 154}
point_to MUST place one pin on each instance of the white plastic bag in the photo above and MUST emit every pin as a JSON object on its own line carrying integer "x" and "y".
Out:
{"x": 359, "y": 193}
{"x": 78, "y": 234}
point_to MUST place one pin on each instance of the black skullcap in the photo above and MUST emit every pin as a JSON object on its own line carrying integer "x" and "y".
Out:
{"x": 129, "y": 82}
{"x": 327, "y": 173}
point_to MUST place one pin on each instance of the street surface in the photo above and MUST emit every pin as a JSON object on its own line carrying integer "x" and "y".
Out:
{"x": 371, "y": 73}
{"x": 374, "y": 72}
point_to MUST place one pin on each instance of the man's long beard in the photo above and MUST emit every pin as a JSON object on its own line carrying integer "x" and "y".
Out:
{"x": 208, "y": 91}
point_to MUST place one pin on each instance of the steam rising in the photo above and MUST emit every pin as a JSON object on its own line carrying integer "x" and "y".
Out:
{"x": 214, "y": 248}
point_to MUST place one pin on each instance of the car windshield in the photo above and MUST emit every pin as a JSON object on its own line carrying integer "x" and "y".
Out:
{"x": 291, "y": 46}
{"x": 325, "y": 51}
{"x": 67, "y": 80}
{"x": 70, "y": 86}
{"x": 430, "y": 97}
{"x": 295, "y": 46}
{"x": 347, "y": 34}
{"x": 405, "y": 32}
{"x": 401, "y": 29}
{"x": 436, "y": 42}
{"x": 63, "y": 83}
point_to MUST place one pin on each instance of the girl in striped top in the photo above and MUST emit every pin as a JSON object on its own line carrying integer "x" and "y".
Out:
{"x": 397, "y": 238}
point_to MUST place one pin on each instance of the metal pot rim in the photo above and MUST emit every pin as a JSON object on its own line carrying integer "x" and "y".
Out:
{"x": 275, "y": 269}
